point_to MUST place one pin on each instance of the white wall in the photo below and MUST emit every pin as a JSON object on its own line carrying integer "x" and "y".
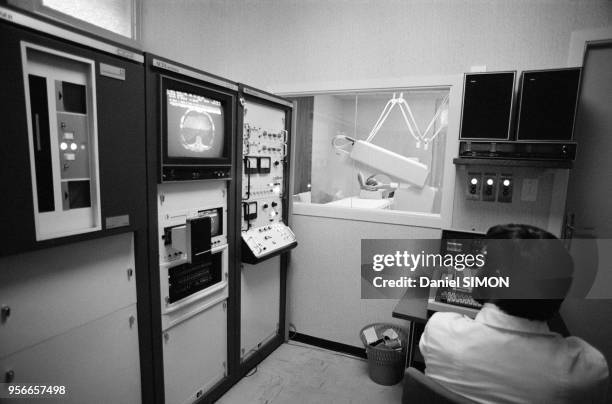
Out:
{"x": 273, "y": 42}
{"x": 324, "y": 296}
{"x": 480, "y": 216}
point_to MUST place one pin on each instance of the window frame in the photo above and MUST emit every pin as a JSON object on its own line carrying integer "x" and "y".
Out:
{"x": 134, "y": 42}
{"x": 454, "y": 83}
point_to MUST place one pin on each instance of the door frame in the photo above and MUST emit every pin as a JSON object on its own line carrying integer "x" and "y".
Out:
{"x": 579, "y": 41}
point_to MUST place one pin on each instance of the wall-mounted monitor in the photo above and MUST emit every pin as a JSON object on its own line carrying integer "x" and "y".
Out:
{"x": 548, "y": 100}
{"x": 487, "y": 106}
{"x": 196, "y": 131}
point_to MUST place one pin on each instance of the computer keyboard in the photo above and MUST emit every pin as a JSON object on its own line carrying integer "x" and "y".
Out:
{"x": 457, "y": 298}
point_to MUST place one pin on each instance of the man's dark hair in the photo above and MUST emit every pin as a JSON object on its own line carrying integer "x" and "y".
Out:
{"x": 539, "y": 268}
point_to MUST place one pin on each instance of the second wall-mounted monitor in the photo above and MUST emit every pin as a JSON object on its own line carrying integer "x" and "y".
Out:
{"x": 487, "y": 106}
{"x": 548, "y": 100}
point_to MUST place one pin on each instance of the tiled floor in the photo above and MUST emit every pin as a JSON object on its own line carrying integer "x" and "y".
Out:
{"x": 297, "y": 373}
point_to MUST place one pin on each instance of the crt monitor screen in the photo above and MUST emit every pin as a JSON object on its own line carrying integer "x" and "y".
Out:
{"x": 548, "y": 104}
{"x": 195, "y": 125}
{"x": 487, "y": 105}
{"x": 460, "y": 242}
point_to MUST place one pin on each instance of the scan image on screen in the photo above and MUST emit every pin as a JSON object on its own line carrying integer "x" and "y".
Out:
{"x": 195, "y": 125}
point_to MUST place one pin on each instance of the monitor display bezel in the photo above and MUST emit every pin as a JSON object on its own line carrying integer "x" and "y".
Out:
{"x": 227, "y": 103}
{"x": 510, "y": 110}
{"x": 526, "y": 134}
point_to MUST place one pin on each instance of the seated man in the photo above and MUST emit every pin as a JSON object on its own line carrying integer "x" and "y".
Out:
{"x": 507, "y": 354}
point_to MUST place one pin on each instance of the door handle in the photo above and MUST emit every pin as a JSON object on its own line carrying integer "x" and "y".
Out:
{"x": 568, "y": 232}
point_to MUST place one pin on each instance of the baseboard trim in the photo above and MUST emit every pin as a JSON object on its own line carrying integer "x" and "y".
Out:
{"x": 330, "y": 345}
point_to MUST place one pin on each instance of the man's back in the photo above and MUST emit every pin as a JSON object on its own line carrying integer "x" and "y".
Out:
{"x": 497, "y": 358}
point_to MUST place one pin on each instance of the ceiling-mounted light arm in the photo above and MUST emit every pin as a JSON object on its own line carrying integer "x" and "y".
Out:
{"x": 406, "y": 106}
{"x": 417, "y": 136}
{"x": 382, "y": 160}
{"x": 410, "y": 122}
{"x": 431, "y": 139}
{"x": 405, "y": 169}
{"x": 382, "y": 118}
{"x": 409, "y": 119}
{"x": 433, "y": 120}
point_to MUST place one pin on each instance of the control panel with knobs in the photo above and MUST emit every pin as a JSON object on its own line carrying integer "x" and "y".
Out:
{"x": 265, "y": 167}
{"x": 266, "y": 240}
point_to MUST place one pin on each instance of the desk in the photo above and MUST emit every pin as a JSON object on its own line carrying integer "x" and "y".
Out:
{"x": 413, "y": 307}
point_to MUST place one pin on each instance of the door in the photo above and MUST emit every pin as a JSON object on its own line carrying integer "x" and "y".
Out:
{"x": 589, "y": 211}
{"x": 589, "y": 208}
{"x": 590, "y": 188}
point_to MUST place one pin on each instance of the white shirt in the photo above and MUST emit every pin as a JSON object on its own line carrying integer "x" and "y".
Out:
{"x": 498, "y": 358}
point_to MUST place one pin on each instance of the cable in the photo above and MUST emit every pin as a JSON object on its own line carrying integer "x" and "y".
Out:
{"x": 248, "y": 222}
{"x": 410, "y": 122}
{"x": 252, "y": 371}
{"x": 417, "y": 138}
{"x": 248, "y": 173}
{"x": 433, "y": 120}
{"x": 382, "y": 118}
{"x": 294, "y": 331}
{"x": 407, "y": 106}
{"x": 435, "y": 134}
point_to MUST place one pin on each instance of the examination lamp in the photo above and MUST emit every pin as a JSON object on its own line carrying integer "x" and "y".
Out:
{"x": 404, "y": 168}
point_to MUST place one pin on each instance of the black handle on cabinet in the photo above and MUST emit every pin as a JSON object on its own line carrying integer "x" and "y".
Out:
{"x": 5, "y": 312}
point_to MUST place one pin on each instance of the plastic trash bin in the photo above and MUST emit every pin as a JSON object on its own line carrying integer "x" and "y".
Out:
{"x": 385, "y": 365}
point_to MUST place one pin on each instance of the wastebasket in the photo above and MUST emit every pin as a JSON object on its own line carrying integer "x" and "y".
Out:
{"x": 385, "y": 365}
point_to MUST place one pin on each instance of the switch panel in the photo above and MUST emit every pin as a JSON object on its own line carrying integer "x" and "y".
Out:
{"x": 263, "y": 175}
{"x": 489, "y": 187}
{"x": 73, "y": 145}
{"x": 265, "y": 241}
{"x": 63, "y": 142}
{"x": 474, "y": 186}
{"x": 506, "y": 185}
{"x": 264, "y": 178}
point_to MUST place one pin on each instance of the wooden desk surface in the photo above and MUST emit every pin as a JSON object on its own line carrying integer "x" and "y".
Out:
{"x": 413, "y": 305}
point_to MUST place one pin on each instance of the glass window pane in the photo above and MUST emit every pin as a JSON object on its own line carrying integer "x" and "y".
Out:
{"x": 374, "y": 150}
{"x": 333, "y": 115}
{"x": 112, "y": 15}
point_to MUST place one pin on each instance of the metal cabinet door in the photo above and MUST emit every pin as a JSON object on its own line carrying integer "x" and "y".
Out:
{"x": 195, "y": 355}
{"x": 97, "y": 362}
{"x": 51, "y": 291}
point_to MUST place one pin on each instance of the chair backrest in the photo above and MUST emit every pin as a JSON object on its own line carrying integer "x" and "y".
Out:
{"x": 418, "y": 388}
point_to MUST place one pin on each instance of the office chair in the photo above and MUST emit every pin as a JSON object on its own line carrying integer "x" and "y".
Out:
{"x": 418, "y": 388}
